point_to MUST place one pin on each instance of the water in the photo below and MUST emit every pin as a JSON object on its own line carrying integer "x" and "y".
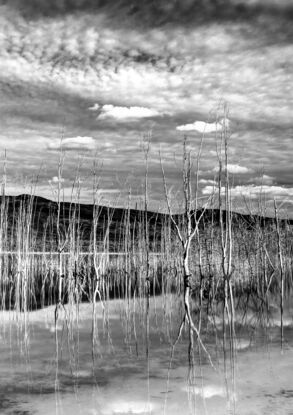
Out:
{"x": 39, "y": 376}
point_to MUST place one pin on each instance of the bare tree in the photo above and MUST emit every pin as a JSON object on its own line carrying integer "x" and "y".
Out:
{"x": 187, "y": 233}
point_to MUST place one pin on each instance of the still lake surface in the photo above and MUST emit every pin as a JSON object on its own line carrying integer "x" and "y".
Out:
{"x": 49, "y": 368}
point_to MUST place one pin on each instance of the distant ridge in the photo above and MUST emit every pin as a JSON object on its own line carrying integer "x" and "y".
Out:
{"x": 119, "y": 222}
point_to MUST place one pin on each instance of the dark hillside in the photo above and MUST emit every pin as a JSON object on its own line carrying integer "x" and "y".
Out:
{"x": 36, "y": 217}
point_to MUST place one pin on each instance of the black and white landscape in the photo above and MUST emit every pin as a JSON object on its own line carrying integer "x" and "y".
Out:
{"x": 146, "y": 207}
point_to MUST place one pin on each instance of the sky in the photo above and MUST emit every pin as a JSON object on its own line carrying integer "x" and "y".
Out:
{"x": 100, "y": 79}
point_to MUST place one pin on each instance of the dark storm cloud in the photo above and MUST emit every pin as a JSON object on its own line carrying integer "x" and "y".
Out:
{"x": 157, "y": 11}
{"x": 273, "y": 19}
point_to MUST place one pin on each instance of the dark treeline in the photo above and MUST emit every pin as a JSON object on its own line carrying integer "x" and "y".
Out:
{"x": 117, "y": 223}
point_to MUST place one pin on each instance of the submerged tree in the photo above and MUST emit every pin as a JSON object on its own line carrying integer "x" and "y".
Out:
{"x": 188, "y": 232}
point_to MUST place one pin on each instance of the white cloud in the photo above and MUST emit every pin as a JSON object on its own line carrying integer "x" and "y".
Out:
{"x": 56, "y": 179}
{"x": 254, "y": 192}
{"x": 204, "y": 127}
{"x": 266, "y": 179}
{"x": 125, "y": 113}
{"x": 262, "y": 180}
{"x": 109, "y": 191}
{"x": 208, "y": 182}
{"x": 73, "y": 143}
{"x": 234, "y": 169}
{"x": 95, "y": 107}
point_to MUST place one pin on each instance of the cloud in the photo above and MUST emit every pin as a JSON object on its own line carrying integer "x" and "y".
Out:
{"x": 73, "y": 143}
{"x": 125, "y": 113}
{"x": 204, "y": 127}
{"x": 108, "y": 191}
{"x": 234, "y": 169}
{"x": 262, "y": 180}
{"x": 56, "y": 179}
{"x": 95, "y": 107}
{"x": 254, "y": 192}
{"x": 207, "y": 182}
